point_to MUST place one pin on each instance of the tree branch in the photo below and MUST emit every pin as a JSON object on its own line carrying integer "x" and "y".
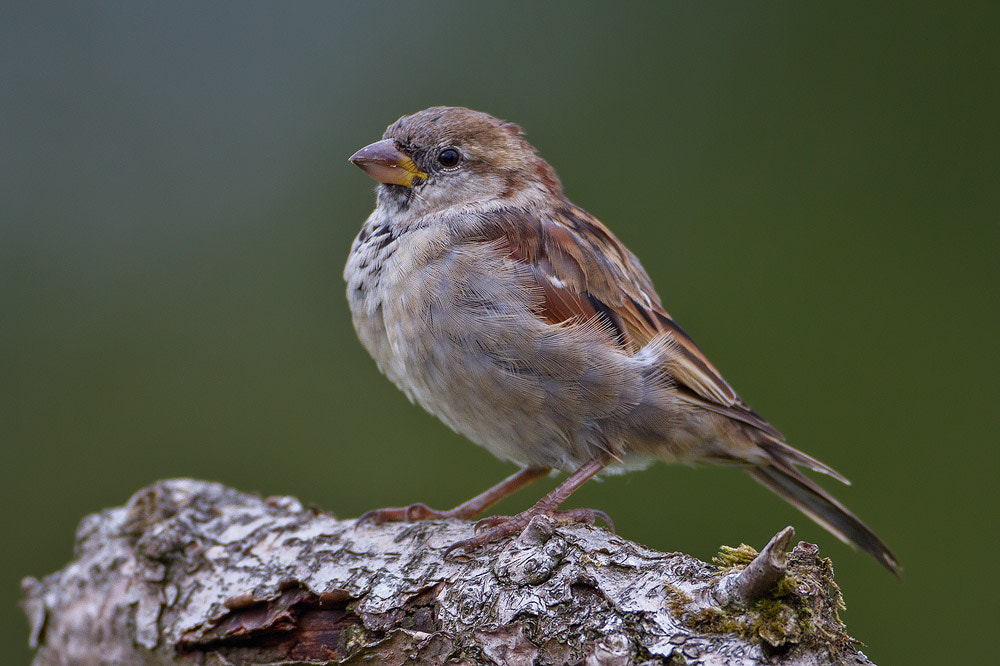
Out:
{"x": 194, "y": 572}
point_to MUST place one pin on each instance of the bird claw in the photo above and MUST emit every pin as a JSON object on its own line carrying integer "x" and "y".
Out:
{"x": 402, "y": 514}
{"x": 588, "y": 516}
{"x": 500, "y": 527}
{"x": 489, "y": 522}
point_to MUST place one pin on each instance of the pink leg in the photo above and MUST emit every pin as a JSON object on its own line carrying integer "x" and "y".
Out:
{"x": 470, "y": 509}
{"x": 500, "y": 527}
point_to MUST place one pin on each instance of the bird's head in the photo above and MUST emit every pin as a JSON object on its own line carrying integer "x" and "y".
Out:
{"x": 452, "y": 156}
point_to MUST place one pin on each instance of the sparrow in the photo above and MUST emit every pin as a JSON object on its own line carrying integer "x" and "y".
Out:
{"x": 523, "y": 323}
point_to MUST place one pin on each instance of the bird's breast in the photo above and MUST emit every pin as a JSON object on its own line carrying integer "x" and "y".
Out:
{"x": 387, "y": 302}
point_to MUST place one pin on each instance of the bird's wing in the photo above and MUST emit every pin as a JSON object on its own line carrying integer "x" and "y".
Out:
{"x": 584, "y": 271}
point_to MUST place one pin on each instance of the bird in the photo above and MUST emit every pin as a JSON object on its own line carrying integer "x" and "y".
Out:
{"x": 523, "y": 323}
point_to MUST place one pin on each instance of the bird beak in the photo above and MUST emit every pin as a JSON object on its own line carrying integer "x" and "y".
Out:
{"x": 387, "y": 164}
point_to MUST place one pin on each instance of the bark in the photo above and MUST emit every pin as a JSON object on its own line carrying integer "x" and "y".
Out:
{"x": 195, "y": 572}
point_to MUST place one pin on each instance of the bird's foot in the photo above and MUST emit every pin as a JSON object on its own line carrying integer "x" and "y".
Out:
{"x": 405, "y": 514}
{"x": 496, "y": 528}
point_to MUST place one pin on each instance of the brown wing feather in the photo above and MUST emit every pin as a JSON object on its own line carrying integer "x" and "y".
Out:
{"x": 584, "y": 271}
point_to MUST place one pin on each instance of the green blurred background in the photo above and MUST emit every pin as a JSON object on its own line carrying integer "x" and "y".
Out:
{"x": 814, "y": 189}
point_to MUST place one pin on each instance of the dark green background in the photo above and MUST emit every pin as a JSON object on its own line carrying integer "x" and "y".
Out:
{"x": 814, "y": 189}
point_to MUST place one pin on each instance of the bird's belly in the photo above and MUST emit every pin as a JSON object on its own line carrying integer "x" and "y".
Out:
{"x": 463, "y": 341}
{"x": 458, "y": 334}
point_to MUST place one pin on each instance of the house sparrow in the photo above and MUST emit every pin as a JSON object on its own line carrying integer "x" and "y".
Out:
{"x": 523, "y": 323}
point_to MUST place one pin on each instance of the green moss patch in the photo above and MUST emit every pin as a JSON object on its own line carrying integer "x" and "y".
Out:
{"x": 801, "y": 611}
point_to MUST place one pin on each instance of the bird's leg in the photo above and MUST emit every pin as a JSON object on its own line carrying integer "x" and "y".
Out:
{"x": 470, "y": 509}
{"x": 500, "y": 527}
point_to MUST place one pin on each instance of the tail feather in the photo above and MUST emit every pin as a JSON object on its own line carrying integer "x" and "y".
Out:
{"x": 779, "y": 450}
{"x": 792, "y": 485}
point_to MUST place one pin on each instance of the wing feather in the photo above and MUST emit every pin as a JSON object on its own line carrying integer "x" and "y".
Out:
{"x": 583, "y": 271}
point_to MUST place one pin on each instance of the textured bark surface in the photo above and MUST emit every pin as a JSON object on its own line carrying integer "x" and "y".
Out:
{"x": 195, "y": 572}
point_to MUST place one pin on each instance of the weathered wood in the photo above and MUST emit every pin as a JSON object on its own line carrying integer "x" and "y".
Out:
{"x": 195, "y": 572}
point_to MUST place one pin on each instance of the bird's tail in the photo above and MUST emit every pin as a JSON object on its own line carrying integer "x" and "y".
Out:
{"x": 786, "y": 480}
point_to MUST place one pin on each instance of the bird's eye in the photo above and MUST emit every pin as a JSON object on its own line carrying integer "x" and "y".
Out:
{"x": 449, "y": 157}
